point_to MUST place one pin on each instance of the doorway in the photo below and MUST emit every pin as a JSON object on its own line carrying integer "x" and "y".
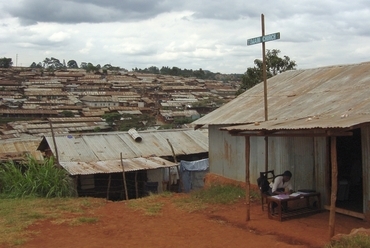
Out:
{"x": 349, "y": 159}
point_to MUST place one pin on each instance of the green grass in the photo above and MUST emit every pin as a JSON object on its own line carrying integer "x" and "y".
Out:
{"x": 17, "y": 214}
{"x": 34, "y": 179}
{"x": 150, "y": 205}
{"x": 87, "y": 220}
{"x": 356, "y": 241}
{"x": 214, "y": 195}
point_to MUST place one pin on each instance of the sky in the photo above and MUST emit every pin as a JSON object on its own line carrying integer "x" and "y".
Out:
{"x": 208, "y": 35}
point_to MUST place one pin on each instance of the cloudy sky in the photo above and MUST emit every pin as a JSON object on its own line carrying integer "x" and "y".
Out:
{"x": 190, "y": 34}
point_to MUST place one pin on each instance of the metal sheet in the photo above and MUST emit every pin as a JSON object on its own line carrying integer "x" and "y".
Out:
{"x": 108, "y": 146}
{"x": 15, "y": 149}
{"x": 328, "y": 91}
{"x": 114, "y": 166}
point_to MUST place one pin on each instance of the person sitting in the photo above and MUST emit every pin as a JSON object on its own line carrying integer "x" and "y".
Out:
{"x": 281, "y": 185}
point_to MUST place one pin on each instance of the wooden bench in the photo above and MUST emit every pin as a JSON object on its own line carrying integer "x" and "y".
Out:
{"x": 306, "y": 209}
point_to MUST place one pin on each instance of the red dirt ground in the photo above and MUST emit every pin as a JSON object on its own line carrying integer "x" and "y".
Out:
{"x": 218, "y": 226}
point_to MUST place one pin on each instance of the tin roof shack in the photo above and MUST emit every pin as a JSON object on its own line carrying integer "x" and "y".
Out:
{"x": 16, "y": 149}
{"x": 318, "y": 124}
{"x": 98, "y": 161}
{"x": 60, "y": 126}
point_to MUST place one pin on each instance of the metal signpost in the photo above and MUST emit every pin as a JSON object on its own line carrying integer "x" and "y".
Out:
{"x": 262, "y": 39}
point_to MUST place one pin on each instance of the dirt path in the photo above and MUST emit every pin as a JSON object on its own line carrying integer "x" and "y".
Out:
{"x": 220, "y": 226}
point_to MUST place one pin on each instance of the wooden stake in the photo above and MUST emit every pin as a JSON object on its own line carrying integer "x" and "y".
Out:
{"x": 108, "y": 187}
{"x": 177, "y": 168}
{"x": 136, "y": 188}
{"x": 124, "y": 178}
{"x": 264, "y": 67}
{"x": 265, "y": 90}
{"x": 55, "y": 144}
{"x": 334, "y": 184}
{"x": 247, "y": 188}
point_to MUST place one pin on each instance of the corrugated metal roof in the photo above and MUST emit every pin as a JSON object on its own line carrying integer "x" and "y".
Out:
{"x": 292, "y": 95}
{"x": 114, "y": 166}
{"x": 15, "y": 149}
{"x": 322, "y": 122}
{"x": 108, "y": 146}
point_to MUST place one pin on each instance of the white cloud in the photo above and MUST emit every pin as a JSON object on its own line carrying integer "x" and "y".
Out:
{"x": 59, "y": 36}
{"x": 88, "y": 46}
{"x": 185, "y": 34}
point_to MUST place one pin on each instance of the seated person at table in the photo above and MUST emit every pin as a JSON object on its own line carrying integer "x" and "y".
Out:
{"x": 281, "y": 184}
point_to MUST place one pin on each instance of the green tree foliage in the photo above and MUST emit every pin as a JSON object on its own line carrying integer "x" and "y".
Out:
{"x": 67, "y": 113}
{"x": 83, "y": 65}
{"x": 139, "y": 122}
{"x": 182, "y": 120}
{"x": 72, "y": 64}
{"x": 110, "y": 118}
{"x": 6, "y": 63}
{"x": 34, "y": 65}
{"x": 52, "y": 63}
{"x": 274, "y": 66}
{"x": 176, "y": 71}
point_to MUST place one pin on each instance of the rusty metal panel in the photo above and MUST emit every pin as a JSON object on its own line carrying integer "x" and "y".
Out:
{"x": 321, "y": 169}
{"x": 365, "y": 143}
{"x": 227, "y": 157}
{"x": 227, "y": 154}
{"x": 334, "y": 91}
{"x": 312, "y": 122}
{"x": 109, "y": 146}
{"x": 15, "y": 149}
{"x": 114, "y": 166}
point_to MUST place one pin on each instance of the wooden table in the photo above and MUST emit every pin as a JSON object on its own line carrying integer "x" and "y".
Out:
{"x": 282, "y": 214}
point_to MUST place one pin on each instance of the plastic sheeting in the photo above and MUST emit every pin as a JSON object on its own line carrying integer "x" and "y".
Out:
{"x": 192, "y": 174}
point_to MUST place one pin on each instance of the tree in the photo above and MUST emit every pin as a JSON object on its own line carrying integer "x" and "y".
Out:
{"x": 6, "y": 63}
{"x": 52, "y": 63}
{"x": 67, "y": 113}
{"x": 110, "y": 118}
{"x": 274, "y": 66}
{"x": 83, "y": 65}
{"x": 34, "y": 65}
{"x": 72, "y": 64}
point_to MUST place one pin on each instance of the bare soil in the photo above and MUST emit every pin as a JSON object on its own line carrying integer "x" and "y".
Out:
{"x": 221, "y": 226}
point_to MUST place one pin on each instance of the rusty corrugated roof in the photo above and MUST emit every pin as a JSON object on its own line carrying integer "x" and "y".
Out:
{"x": 95, "y": 147}
{"x": 293, "y": 95}
{"x": 114, "y": 166}
{"x": 315, "y": 122}
{"x": 16, "y": 149}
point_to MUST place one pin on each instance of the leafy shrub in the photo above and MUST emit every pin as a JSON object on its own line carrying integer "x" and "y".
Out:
{"x": 356, "y": 241}
{"x": 34, "y": 179}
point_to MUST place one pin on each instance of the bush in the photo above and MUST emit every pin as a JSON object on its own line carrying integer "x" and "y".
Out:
{"x": 34, "y": 179}
{"x": 356, "y": 241}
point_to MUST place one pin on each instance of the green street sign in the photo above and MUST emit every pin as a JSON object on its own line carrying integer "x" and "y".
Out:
{"x": 264, "y": 38}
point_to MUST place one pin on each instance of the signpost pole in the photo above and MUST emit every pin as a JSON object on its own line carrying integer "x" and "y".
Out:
{"x": 262, "y": 39}
{"x": 264, "y": 66}
{"x": 265, "y": 90}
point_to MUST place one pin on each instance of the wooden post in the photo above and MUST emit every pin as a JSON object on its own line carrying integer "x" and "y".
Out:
{"x": 247, "y": 188}
{"x": 264, "y": 67}
{"x": 108, "y": 187}
{"x": 265, "y": 91}
{"x": 55, "y": 143}
{"x": 136, "y": 188}
{"x": 177, "y": 168}
{"x": 76, "y": 185}
{"x": 124, "y": 178}
{"x": 334, "y": 184}
{"x": 266, "y": 153}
